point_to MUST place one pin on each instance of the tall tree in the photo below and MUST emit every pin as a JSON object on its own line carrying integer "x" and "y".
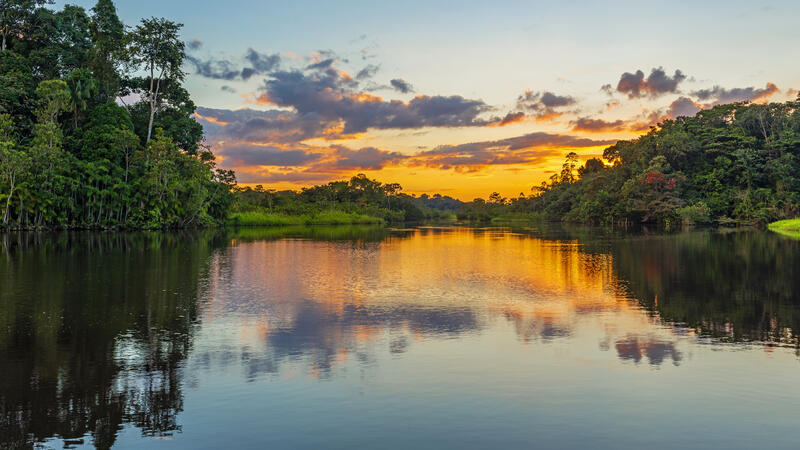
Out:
{"x": 14, "y": 15}
{"x": 13, "y": 163}
{"x": 81, "y": 86}
{"x": 108, "y": 34}
{"x": 157, "y": 48}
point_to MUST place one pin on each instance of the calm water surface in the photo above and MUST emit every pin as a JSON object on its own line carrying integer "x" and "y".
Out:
{"x": 420, "y": 338}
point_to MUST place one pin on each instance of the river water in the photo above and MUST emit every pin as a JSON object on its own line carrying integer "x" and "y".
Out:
{"x": 361, "y": 337}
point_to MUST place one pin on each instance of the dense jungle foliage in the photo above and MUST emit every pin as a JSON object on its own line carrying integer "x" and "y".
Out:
{"x": 348, "y": 201}
{"x": 731, "y": 164}
{"x": 96, "y": 130}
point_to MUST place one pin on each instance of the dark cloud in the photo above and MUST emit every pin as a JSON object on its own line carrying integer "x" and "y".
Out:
{"x": 597, "y": 125}
{"x": 227, "y": 88}
{"x": 214, "y": 69}
{"x": 511, "y": 118}
{"x": 635, "y": 85}
{"x": 260, "y": 63}
{"x": 683, "y": 107}
{"x": 258, "y": 155}
{"x": 720, "y": 96}
{"x": 260, "y": 126}
{"x": 401, "y": 85}
{"x": 543, "y": 104}
{"x": 293, "y": 176}
{"x": 367, "y": 72}
{"x": 331, "y": 96}
{"x": 223, "y": 69}
{"x": 368, "y": 158}
{"x": 324, "y": 64}
{"x": 194, "y": 44}
{"x": 529, "y": 149}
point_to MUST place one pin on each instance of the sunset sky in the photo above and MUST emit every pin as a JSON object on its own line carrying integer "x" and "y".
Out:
{"x": 461, "y": 98}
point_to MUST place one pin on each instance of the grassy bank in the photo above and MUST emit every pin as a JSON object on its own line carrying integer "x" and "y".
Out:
{"x": 789, "y": 228}
{"x": 266, "y": 219}
{"x": 518, "y": 217}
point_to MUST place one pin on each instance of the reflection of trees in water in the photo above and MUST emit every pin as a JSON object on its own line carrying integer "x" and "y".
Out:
{"x": 94, "y": 329}
{"x": 737, "y": 286}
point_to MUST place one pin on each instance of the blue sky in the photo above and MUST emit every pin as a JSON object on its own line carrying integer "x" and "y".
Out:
{"x": 488, "y": 51}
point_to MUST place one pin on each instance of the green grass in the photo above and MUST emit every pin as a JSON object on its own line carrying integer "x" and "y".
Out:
{"x": 518, "y": 217}
{"x": 266, "y": 219}
{"x": 789, "y": 228}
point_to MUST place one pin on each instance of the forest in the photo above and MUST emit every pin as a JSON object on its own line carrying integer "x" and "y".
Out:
{"x": 96, "y": 129}
{"x": 730, "y": 165}
{"x": 358, "y": 200}
{"x": 733, "y": 164}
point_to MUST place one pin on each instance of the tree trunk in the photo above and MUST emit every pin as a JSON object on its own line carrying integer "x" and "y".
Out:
{"x": 8, "y": 204}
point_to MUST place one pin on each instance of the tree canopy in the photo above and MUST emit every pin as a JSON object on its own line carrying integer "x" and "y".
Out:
{"x": 72, "y": 154}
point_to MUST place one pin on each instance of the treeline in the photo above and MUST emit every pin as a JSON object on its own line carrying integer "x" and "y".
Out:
{"x": 355, "y": 199}
{"x": 96, "y": 129}
{"x": 731, "y": 164}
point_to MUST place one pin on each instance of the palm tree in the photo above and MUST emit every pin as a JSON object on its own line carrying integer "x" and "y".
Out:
{"x": 82, "y": 87}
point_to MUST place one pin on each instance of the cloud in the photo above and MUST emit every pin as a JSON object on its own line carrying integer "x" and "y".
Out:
{"x": 634, "y": 85}
{"x": 720, "y": 96}
{"x": 401, "y": 85}
{"x": 324, "y": 64}
{"x": 261, "y": 62}
{"x": 510, "y": 118}
{"x": 253, "y": 63}
{"x": 683, "y": 107}
{"x": 543, "y": 105}
{"x": 250, "y": 125}
{"x": 367, "y": 72}
{"x": 260, "y": 155}
{"x": 194, "y": 44}
{"x": 597, "y": 125}
{"x": 331, "y": 96}
{"x": 215, "y": 69}
{"x": 228, "y": 89}
{"x": 533, "y": 148}
{"x": 368, "y": 158}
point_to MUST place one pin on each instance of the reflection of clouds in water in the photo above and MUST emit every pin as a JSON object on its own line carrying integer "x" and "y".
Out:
{"x": 634, "y": 348}
{"x": 322, "y": 338}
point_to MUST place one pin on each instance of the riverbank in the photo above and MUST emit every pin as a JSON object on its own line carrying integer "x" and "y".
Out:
{"x": 266, "y": 219}
{"x": 789, "y": 228}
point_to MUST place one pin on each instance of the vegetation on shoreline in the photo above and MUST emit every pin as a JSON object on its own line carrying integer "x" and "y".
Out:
{"x": 789, "y": 227}
{"x": 356, "y": 201}
{"x": 729, "y": 165}
{"x": 262, "y": 218}
{"x": 96, "y": 130}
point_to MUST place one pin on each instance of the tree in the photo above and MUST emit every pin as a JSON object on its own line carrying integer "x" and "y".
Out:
{"x": 157, "y": 48}
{"x": 568, "y": 169}
{"x": 82, "y": 87}
{"x": 15, "y": 15}
{"x": 13, "y": 163}
{"x": 54, "y": 98}
{"x": 108, "y": 34}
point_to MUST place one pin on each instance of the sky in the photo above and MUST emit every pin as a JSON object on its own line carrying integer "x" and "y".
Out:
{"x": 461, "y": 98}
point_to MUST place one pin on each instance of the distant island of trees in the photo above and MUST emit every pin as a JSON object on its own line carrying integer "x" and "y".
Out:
{"x": 75, "y": 154}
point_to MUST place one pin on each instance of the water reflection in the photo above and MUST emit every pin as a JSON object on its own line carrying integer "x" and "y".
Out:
{"x": 93, "y": 329}
{"x": 99, "y": 332}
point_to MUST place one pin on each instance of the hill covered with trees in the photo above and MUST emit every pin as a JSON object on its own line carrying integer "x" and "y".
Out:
{"x": 96, "y": 129}
{"x": 731, "y": 164}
